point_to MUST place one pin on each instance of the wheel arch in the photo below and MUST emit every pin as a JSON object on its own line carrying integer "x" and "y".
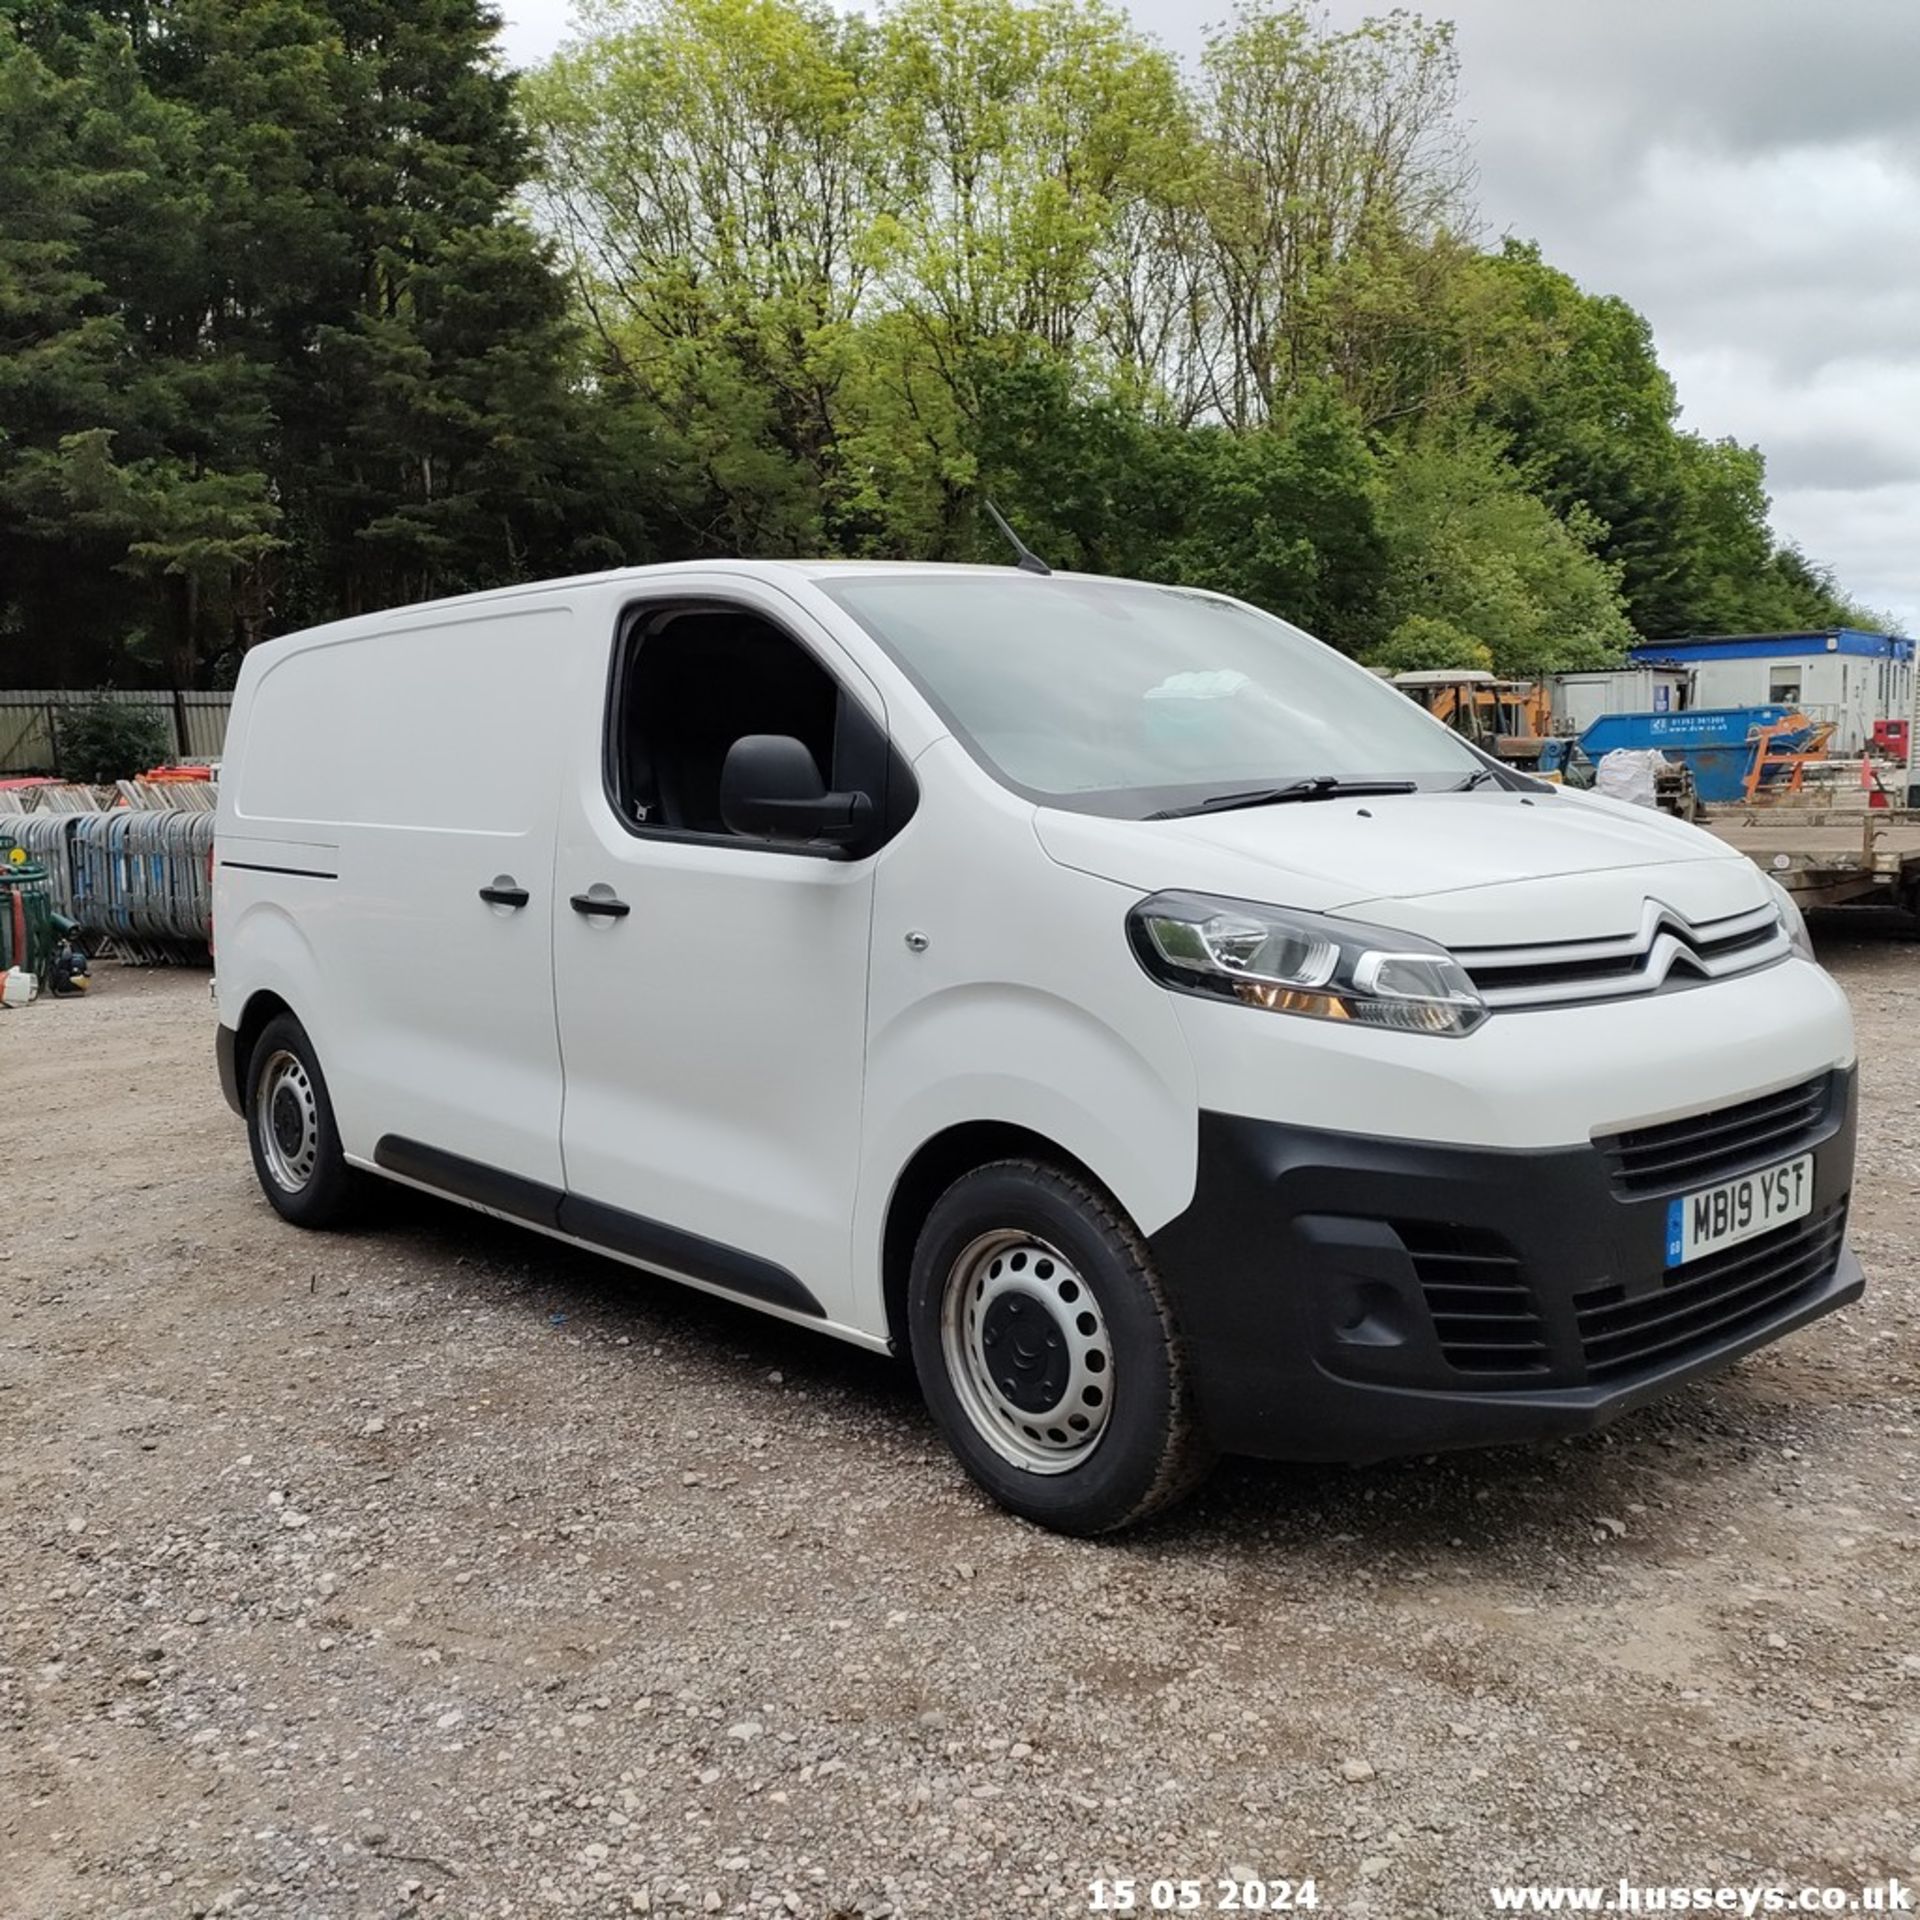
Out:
{"x": 267, "y": 966}
{"x": 936, "y": 1164}
{"x": 263, "y": 1005}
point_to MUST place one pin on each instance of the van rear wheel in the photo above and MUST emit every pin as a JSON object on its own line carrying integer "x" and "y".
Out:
{"x": 290, "y": 1127}
{"x": 1046, "y": 1351}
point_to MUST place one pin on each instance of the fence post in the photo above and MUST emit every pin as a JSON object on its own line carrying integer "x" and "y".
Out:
{"x": 180, "y": 743}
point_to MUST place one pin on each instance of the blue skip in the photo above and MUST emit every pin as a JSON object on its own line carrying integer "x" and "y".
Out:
{"x": 1715, "y": 742}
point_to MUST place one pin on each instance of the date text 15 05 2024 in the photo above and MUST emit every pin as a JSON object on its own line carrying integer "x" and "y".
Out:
{"x": 1230, "y": 1894}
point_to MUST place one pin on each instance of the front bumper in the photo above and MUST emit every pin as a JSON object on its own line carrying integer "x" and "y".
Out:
{"x": 1347, "y": 1298}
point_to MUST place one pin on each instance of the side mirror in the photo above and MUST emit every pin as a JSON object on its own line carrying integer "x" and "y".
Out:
{"x": 771, "y": 790}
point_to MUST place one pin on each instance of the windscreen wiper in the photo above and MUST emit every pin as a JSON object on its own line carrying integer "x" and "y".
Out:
{"x": 1319, "y": 786}
{"x": 1474, "y": 779}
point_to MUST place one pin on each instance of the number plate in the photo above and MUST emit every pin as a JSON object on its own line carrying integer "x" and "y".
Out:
{"x": 1736, "y": 1210}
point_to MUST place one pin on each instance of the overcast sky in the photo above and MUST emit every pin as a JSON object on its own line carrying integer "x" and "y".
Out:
{"x": 1747, "y": 174}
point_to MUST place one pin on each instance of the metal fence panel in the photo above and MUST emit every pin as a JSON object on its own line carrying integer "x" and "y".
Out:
{"x": 206, "y": 715}
{"x": 26, "y": 736}
{"x": 195, "y": 723}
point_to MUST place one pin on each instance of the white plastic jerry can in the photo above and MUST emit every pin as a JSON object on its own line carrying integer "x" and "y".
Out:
{"x": 18, "y": 986}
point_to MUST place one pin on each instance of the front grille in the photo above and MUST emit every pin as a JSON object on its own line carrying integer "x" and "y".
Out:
{"x": 1698, "y": 1150}
{"x": 1708, "y": 1300}
{"x": 1665, "y": 950}
{"x": 1483, "y": 1312}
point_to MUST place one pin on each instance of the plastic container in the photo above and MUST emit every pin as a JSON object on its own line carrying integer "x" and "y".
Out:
{"x": 18, "y": 987}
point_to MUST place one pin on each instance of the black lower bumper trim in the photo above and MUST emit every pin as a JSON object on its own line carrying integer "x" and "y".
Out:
{"x": 1346, "y": 1298}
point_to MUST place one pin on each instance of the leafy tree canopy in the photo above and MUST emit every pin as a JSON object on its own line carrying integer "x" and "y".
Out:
{"x": 1422, "y": 642}
{"x": 307, "y": 306}
{"x": 274, "y": 342}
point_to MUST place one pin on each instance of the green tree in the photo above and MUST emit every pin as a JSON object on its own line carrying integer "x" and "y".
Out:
{"x": 1286, "y": 515}
{"x": 1019, "y": 134}
{"x": 1468, "y": 545}
{"x": 274, "y": 344}
{"x": 105, "y": 740}
{"x": 429, "y": 434}
{"x": 712, "y": 170}
{"x": 1420, "y": 643}
{"x": 131, "y": 502}
{"x": 1591, "y": 418}
{"x": 1283, "y": 515}
{"x": 1812, "y": 598}
{"x": 1334, "y": 171}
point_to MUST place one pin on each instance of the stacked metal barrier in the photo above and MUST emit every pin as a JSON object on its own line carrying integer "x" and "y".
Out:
{"x": 45, "y": 837}
{"x": 140, "y": 879}
{"x": 145, "y": 880}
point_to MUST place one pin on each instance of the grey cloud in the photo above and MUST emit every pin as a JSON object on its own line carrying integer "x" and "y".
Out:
{"x": 1738, "y": 75}
{"x": 1837, "y": 462}
{"x": 1864, "y": 534}
{"x": 1806, "y": 256}
{"x": 1741, "y": 74}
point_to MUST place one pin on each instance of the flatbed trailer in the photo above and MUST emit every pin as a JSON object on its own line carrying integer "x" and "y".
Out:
{"x": 1831, "y": 858}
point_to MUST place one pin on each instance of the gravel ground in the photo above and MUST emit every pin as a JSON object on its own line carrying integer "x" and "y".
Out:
{"x": 433, "y": 1567}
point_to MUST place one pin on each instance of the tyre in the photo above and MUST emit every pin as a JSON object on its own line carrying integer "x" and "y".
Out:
{"x": 1046, "y": 1351}
{"x": 290, "y": 1127}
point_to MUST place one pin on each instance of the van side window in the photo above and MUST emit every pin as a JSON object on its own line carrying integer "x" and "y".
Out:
{"x": 694, "y": 680}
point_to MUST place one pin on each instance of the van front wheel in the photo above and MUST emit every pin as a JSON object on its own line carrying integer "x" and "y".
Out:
{"x": 1046, "y": 1351}
{"x": 290, "y": 1127}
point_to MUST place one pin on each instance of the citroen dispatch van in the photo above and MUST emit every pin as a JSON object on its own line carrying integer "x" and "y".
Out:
{"x": 1143, "y": 1018}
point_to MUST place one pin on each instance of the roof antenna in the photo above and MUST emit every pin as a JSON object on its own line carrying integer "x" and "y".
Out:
{"x": 1028, "y": 561}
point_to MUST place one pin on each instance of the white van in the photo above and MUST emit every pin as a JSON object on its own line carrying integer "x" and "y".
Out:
{"x": 1145, "y": 1018}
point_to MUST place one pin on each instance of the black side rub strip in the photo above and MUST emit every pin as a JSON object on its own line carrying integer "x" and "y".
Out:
{"x": 469, "y": 1180}
{"x": 303, "y": 873}
{"x": 698, "y": 1258}
{"x": 598, "y": 1224}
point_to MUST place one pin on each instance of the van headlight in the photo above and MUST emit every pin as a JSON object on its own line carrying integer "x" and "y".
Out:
{"x": 1793, "y": 923}
{"x": 1306, "y": 963}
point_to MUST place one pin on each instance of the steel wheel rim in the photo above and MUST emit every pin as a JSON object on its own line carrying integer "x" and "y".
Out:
{"x": 286, "y": 1121}
{"x": 1027, "y": 1351}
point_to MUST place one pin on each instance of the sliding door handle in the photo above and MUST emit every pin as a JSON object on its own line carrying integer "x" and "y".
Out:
{"x": 504, "y": 892}
{"x": 603, "y": 904}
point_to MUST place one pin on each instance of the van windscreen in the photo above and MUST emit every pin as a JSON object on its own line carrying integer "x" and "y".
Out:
{"x": 1121, "y": 698}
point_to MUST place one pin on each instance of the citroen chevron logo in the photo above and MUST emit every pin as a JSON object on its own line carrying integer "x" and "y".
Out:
{"x": 1668, "y": 938}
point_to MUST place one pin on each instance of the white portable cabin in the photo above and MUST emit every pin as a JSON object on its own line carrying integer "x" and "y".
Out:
{"x": 1579, "y": 699}
{"x": 1847, "y": 676}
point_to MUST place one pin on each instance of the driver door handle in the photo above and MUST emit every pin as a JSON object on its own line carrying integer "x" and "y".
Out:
{"x": 498, "y": 895}
{"x": 603, "y": 903}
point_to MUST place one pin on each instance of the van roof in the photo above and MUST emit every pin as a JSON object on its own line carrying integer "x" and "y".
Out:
{"x": 809, "y": 569}
{"x": 769, "y": 569}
